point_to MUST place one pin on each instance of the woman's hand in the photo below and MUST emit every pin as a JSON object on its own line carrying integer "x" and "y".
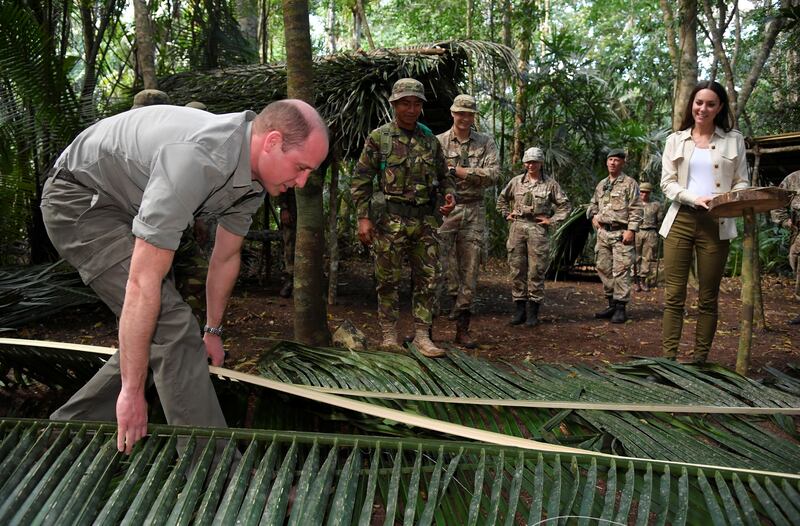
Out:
{"x": 702, "y": 202}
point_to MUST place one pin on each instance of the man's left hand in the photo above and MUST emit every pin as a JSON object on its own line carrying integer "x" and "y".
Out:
{"x": 449, "y": 204}
{"x": 628, "y": 236}
{"x": 214, "y": 349}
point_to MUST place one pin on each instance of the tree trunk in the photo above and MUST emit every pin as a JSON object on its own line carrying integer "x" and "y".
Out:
{"x": 310, "y": 313}
{"x": 332, "y": 27}
{"x": 145, "y": 47}
{"x": 362, "y": 15}
{"x": 247, "y": 19}
{"x": 686, "y": 74}
{"x": 521, "y": 108}
{"x": 264, "y": 12}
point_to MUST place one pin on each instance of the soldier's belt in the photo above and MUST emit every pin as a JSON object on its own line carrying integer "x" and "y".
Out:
{"x": 613, "y": 227}
{"x": 648, "y": 229}
{"x": 469, "y": 200}
{"x": 408, "y": 209}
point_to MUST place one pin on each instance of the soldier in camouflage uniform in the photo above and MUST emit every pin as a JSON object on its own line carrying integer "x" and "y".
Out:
{"x": 408, "y": 161}
{"x": 472, "y": 162}
{"x": 533, "y": 203}
{"x": 288, "y": 205}
{"x": 616, "y": 212}
{"x": 789, "y": 218}
{"x": 647, "y": 239}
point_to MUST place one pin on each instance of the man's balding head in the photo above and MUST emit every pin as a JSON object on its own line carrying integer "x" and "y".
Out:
{"x": 293, "y": 118}
{"x": 288, "y": 141}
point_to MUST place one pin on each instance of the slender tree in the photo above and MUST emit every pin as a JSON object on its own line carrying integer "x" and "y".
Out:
{"x": 310, "y": 313}
{"x": 145, "y": 47}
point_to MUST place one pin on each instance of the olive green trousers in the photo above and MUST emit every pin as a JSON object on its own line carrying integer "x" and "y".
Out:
{"x": 694, "y": 233}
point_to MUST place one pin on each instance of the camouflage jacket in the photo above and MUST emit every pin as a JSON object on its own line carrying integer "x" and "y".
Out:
{"x": 478, "y": 153}
{"x": 781, "y": 216}
{"x": 652, "y": 215}
{"x": 414, "y": 171}
{"x": 617, "y": 202}
{"x": 528, "y": 198}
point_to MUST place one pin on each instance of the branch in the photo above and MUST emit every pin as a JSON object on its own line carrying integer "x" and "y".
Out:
{"x": 774, "y": 28}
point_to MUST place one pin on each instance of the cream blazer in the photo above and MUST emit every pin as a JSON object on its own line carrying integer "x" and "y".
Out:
{"x": 729, "y": 168}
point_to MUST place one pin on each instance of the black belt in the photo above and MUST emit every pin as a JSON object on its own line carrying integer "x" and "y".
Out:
{"x": 469, "y": 200}
{"x": 611, "y": 227}
{"x": 66, "y": 175}
{"x": 648, "y": 229}
{"x": 408, "y": 209}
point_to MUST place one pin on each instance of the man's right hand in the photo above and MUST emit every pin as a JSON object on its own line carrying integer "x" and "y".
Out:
{"x": 366, "y": 231}
{"x": 131, "y": 420}
{"x": 595, "y": 223}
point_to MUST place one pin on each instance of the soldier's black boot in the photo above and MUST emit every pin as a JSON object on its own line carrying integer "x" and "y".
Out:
{"x": 286, "y": 290}
{"x": 619, "y": 315}
{"x": 608, "y": 312}
{"x": 463, "y": 337}
{"x": 519, "y": 313}
{"x": 533, "y": 314}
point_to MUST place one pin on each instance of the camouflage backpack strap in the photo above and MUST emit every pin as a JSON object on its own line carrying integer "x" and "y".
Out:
{"x": 385, "y": 148}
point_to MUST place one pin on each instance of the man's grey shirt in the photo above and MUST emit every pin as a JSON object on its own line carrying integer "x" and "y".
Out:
{"x": 168, "y": 165}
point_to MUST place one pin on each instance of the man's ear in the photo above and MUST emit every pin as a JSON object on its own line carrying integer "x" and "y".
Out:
{"x": 272, "y": 140}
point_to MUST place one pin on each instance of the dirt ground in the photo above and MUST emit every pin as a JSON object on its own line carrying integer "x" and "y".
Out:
{"x": 257, "y": 316}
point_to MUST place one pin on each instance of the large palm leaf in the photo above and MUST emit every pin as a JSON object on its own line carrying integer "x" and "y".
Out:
{"x": 72, "y": 474}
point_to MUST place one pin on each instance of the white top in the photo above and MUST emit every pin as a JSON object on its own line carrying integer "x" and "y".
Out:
{"x": 701, "y": 176}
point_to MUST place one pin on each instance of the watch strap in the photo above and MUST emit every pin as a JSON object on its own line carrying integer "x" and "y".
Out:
{"x": 217, "y": 331}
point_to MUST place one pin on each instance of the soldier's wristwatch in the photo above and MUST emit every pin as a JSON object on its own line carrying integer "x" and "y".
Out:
{"x": 452, "y": 171}
{"x": 216, "y": 331}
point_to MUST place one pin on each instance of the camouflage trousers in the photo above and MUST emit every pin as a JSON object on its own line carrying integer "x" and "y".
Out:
{"x": 289, "y": 234}
{"x": 614, "y": 262}
{"x": 416, "y": 238}
{"x": 794, "y": 262}
{"x": 528, "y": 257}
{"x": 646, "y": 255}
{"x": 461, "y": 245}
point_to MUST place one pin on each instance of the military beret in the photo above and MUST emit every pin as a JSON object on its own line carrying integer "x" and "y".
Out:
{"x": 464, "y": 103}
{"x": 645, "y": 187}
{"x": 616, "y": 152}
{"x": 149, "y": 97}
{"x": 407, "y": 88}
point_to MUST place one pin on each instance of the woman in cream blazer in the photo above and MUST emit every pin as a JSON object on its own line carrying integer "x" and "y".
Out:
{"x": 704, "y": 159}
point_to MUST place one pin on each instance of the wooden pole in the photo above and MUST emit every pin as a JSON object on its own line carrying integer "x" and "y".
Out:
{"x": 749, "y": 276}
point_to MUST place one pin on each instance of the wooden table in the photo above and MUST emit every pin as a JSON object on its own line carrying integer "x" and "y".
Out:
{"x": 746, "y": 204}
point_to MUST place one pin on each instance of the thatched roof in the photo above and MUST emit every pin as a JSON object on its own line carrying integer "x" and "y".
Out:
{"x": 352, "y": 88}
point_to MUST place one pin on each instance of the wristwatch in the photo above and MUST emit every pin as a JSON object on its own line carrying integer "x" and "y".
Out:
{"x": 216, "y": 331}
{"x": 452, "y": 171}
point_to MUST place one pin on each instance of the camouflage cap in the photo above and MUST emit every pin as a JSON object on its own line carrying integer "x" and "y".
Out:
{"x": 197, "y": 104}
{"x": 533, "y": 154}
{"x": 149, "y": 97}
{"x": 645, "y": 187}
{"x": 407, "y": 88}
{"x": 464, "y": 103}
{"x": 616, "y": 152}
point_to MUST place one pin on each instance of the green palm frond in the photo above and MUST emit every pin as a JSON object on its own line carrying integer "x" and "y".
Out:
{"x": 72, "y": 474}
{"x": 39, "y": 291}
{"x": 549, "y": 404}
